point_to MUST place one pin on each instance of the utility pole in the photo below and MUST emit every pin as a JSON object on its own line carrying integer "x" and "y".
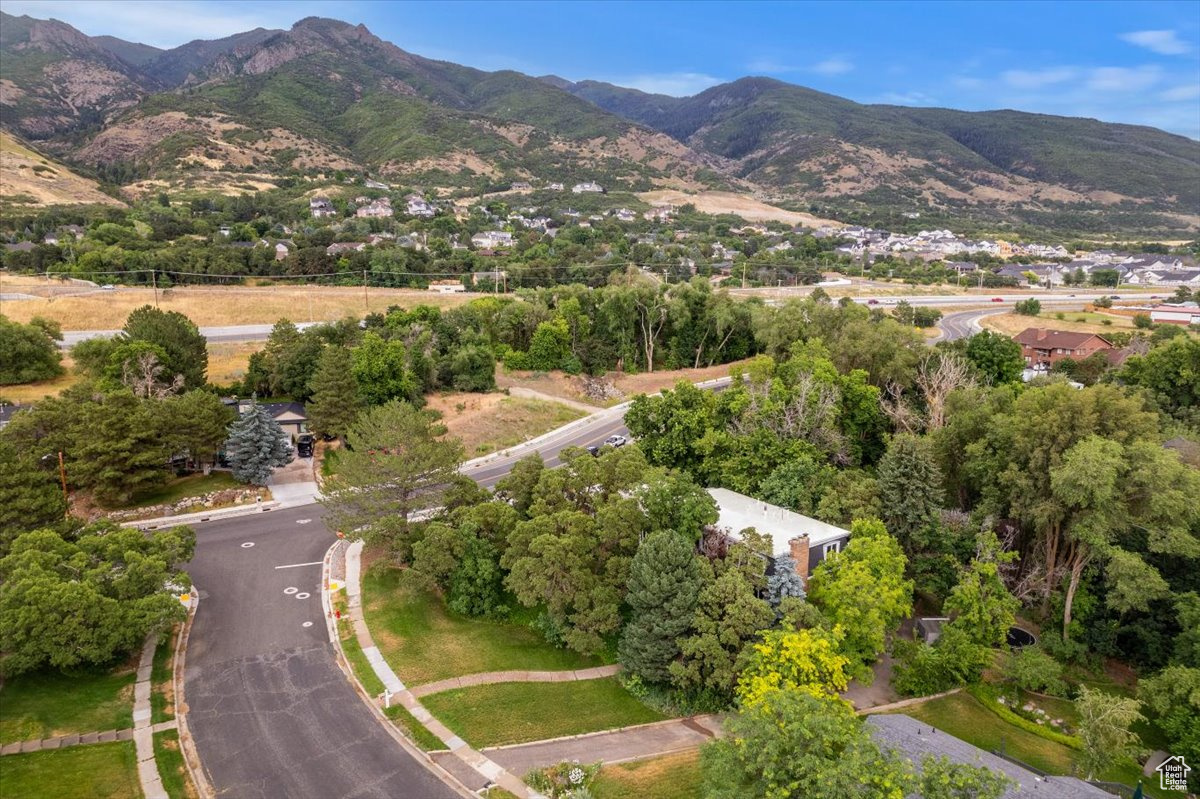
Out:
{"x": 154, "y": 282}
{"x": 743, "y": 274}
{"x": 366, "y": 308}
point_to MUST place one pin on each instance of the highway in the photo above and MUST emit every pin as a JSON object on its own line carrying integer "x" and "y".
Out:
{"x": 963, "y": 324}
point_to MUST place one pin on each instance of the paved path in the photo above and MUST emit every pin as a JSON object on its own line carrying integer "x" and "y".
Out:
{"x": 490, "y": 771}
{"x": 491, "y": 677}
{"x": 610, "y": 746}
{"x": 80, "y": 739}
{"x": 269, "y": 710}
{"x": 143, "y": 731}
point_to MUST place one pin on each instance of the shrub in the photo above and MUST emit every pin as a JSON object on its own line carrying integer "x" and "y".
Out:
{"x": 952, "y": 661}
{"x": 565, "y": 780}
{"x": 1029, "y": 307}
{"x": 1142, "y": 321}
{"x": 1031, "y": 669}
{"x": 1103, "y": 302}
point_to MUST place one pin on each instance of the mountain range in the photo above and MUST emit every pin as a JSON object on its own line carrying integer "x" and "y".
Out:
{"x": 327, "y": 96}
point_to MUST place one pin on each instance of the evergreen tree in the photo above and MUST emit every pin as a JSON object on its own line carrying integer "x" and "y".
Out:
{"x": 910, "y": 488}
{"x": 30, "y": 495}
{"x": 180, "y": 339}
{"x": 664, "y": 581}
{"x": 256, "y": 445}
{"x": 335, "y": 403}
{"x": 784, "y": 582}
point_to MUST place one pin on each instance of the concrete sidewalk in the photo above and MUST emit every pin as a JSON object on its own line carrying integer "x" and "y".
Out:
{"x": 611, "y": 746}
{"x": 492, "y": 677}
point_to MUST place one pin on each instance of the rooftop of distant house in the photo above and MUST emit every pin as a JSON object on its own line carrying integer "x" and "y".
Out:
{"x": 1043, "y": 338}
{"x": 738, "y": 511}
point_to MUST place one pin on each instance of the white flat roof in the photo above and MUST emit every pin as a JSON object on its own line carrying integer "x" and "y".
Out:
{"x": 738, "y": 511}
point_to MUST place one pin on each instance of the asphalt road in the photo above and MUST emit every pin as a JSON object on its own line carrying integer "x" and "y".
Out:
{"x": 963, "y": 324}
{"x": 272, "y": 715}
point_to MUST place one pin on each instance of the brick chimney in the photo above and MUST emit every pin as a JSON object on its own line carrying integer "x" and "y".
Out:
{"x": 799, "y": 552}
{"x": 1041, "y": 333}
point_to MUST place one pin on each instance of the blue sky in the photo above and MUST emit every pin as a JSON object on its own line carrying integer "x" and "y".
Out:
{"x": 1135, "y": 62}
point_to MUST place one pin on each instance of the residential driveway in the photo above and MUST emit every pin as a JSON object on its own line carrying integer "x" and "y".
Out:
{"x": 294, "y": 484}
{"x": 272, "y": 715}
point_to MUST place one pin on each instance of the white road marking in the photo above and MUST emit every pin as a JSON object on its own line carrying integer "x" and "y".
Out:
{"x": 290, "y": 590}
{"x": 303, "y": 595}
{"x": 298, "y": 565}
{"x": 247, "y": 545}
{"x": 306, "y": 624}
{"x": 303, "y": 521}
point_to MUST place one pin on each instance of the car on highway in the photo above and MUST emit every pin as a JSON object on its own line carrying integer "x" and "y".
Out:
{"x": 616, "y": 441}
{"x": 872, "y": 302}
{"x": 1115, "y": 297}
{"x": 997, "y": 299}
{"x": 108, "y": 287}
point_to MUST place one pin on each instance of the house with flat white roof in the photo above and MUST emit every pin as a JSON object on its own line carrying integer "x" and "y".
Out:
{"x": 806, "y": 539}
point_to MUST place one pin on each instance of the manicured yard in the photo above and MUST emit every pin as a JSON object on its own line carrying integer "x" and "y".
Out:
{"x": 193, "y": 485}
{"x": 510, "y": 713}
{"x": 97, "y": 771}
{"x": 162, "y": 692}
{"x": 171, "y": 767}
{"x": 674, "y": 776}
{"x": 354, "y": 653}
{"x": 965, "y": 717}
{"x": 47, "y": 705}
{"x": 424, "y": 642}
{"x": 422, "y": 737}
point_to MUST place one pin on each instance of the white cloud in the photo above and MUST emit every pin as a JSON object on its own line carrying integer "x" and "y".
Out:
{"x": 1037, "y": 78}
{"x": 163, "y": 23}
{"x": 1161, "y": 42}
{"x": 833, "y": 66}
{"x": 675, "y": 84}
{"x": 1123, "y": 79}
{"x": 908, "y": 98}
{"x": 1189, "y": 91}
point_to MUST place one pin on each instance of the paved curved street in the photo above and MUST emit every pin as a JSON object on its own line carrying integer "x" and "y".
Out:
{"x": 269, "y": 710}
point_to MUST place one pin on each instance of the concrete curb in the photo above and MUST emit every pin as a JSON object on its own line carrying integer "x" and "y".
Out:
{"x": 491, "y": 771}
{"x": 203, "y": 516}
{"x": 187, "y": 746}
{"x": 335, "y": 638}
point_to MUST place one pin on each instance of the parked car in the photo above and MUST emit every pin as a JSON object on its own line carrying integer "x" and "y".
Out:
{"x": 616, "y": 441}
{"x": 305, "y": 442}
{"x": 997, "y": 299}
{"x": 872, "y": 302}
{"x": 108, "y": 287}
{"x": 593, "y": 450}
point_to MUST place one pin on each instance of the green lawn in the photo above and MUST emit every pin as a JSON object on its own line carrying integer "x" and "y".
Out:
{"x": 162, "y": 692}
{"x": 510, "y": 713}
{"x": 97, "y": 771}
{"x": 674, "y": 776}
{"x": 424, "y": 642}
{"x": 354, "y": 655}
{"x": 422, "y": 737}
{"x": 194, "y": 485}
{"x": 171, "y": 768}
{"x": 47, "y": 705}
{"x": 965, "y": 717}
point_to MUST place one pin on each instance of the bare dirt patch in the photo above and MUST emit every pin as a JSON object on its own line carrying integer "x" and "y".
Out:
{"x": 725, "y": 202}
{"x": 489, "y": 422}
{"x": 558, "y": 384}
{"x": 25, "y": 172}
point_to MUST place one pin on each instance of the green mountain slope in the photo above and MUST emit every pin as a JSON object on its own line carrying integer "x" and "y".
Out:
{"x": 807, "y": 143}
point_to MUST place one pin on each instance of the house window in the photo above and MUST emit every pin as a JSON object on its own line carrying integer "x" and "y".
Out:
{"x": 832, "y": 546}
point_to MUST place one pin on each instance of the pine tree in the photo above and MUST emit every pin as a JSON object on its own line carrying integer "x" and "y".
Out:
{"x": 256, "y": 445}
{"x": 784, "y": 582}
{"x": 665, "y": 579}
{"x": 910, "y": 488}
{"x": 335, "y": 404}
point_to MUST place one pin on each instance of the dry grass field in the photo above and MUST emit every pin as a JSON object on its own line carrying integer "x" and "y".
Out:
{"x": 1010, "y": 324}
{"x": 211, "y": 306}
{"x": 489, "y": 422}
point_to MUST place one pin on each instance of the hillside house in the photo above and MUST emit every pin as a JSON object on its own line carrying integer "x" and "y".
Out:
{"x": 587, "y": 187}
{"x": 807, "y": 540}
{"x": 339, "y": 247}
{"x": 521, "y": 185}
{"x": 375, "y": 184}
{"x": 321, "y": 207}
{"x": 291, "y": 416}
{"x": 492, "y": 239}
{"x": 416, "y": 205}
{"x": 554, "y": 186}
{"x": 624, "y": 215}
{"x": 283, "y": 249}
{"x": 376, "y": 209}
{"x": 1042, "y": 348}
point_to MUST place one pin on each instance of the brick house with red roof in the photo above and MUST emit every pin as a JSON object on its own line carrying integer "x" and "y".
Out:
{"x": 1042, "y": 348}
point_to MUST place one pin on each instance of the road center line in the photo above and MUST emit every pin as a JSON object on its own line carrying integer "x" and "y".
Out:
{"x": 298, "y": 565}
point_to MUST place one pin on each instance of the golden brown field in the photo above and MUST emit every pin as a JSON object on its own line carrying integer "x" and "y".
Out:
{"x": 209, "y": 306}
